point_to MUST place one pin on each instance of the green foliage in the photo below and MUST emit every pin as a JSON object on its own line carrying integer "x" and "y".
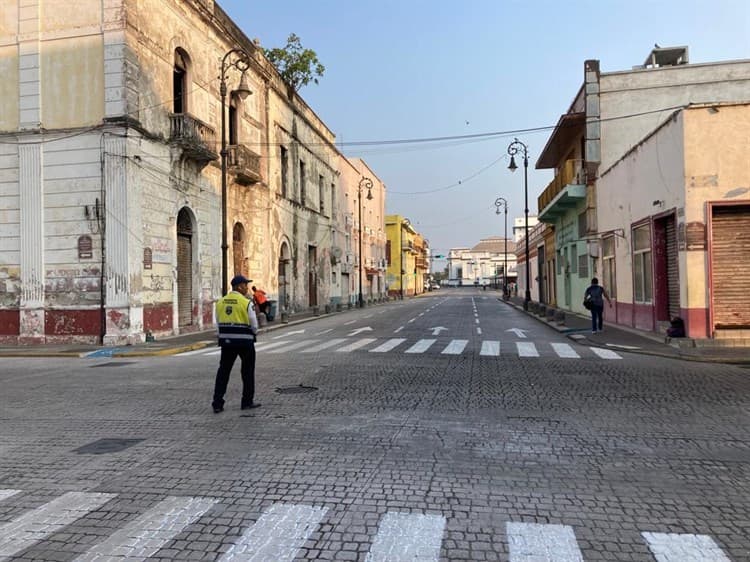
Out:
{"x": 297, "y": 66}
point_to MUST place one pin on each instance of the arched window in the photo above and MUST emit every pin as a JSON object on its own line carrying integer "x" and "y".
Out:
{"x": 180, "y": 81}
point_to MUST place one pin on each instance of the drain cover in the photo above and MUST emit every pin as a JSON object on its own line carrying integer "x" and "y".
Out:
{"x": 104, "y": 446}
{"x": 300, "y": 389}
{"x": 113, "y": 364}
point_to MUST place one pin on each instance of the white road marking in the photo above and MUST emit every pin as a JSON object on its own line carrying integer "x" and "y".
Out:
{"x": 490, "y": 347}
{"x": 410, "y": 321}
{"x": 420, "y": 347}
{"x": 201, "y": 351}
{"x": 325, "y": 345}
{"x": 324, "y": 332}
{"x": 397, "y": 330}
{"x": 565, "y": 350}
{"x": 534, "y": 542}
{"x": 605, "y": 353}
{"x": 476, "y": 320}
{"x": 672, "y": 547}
{"x": 388, "y": 345}
{"x": 356, "y": 345}
{"x": 479, "y": 330}
{"x": 143, "y": 536}
{"x": 292, "y": 346}
{"x": 35, "y": 525}
{"x": 267, "y": 346}
{"x": 526, "y": 349}
{"x": 278, "y": 534}
{"x": 455, "y": 347}
{"x": 620, "y": 346}
{"x": 407, "y": 537}
{"x": 350, "y": 322}
{"x": 4, "y": 494}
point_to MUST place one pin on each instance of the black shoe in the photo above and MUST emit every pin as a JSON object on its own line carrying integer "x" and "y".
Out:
{"x": 251, "y": 406}
{"x": 218, "y": 409}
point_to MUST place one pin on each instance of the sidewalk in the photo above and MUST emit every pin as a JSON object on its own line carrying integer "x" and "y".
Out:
{"x": 615, "y": 337}
{"x": 169, "y": 345}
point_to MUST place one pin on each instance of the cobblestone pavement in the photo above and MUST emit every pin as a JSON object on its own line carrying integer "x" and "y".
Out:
{"x": 379, "y": 456}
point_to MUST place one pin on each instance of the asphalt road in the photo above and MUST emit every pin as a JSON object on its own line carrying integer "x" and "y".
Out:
{"x": 449, "y": 427}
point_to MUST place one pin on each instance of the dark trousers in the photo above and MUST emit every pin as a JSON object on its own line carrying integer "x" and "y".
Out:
{"x": 597, "y": 318}
{"x": 246, "y": 353}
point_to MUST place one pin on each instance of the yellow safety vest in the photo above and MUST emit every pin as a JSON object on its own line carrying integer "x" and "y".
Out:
{"x": 233, "y": 319}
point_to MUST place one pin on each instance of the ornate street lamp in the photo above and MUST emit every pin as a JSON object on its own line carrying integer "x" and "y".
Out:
{"x": 502, "y": 202}
{"x": 514, "y": 148}
{"x": 239, "y": 59}
{"x": 364, "y": 183}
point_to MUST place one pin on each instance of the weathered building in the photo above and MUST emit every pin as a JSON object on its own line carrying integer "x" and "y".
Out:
{"x": 484, "y": 263}
{"x": 111, "y": 188}
{"x": 624, "y": 215}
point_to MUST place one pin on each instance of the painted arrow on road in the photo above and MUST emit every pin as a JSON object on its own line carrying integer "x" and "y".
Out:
{"x": 289, "y": 334}
{"x": 360, "y": 330}
{"x": 518, "y": 331}
{"x": 437, "y": 329}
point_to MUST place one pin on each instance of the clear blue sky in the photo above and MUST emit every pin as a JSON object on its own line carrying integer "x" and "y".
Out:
{"x": 405, "y": 69}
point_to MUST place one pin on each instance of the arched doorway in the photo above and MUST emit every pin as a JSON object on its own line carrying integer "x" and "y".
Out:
{"x": 184, "y": 268}
{"x": 284, "y": 273}
{"x": 238, "y": 250}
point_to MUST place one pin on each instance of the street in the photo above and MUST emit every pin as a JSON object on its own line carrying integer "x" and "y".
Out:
{"x": 449, "y": 427}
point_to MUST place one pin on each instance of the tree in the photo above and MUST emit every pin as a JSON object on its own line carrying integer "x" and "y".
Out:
{"x": 297, "y": 66}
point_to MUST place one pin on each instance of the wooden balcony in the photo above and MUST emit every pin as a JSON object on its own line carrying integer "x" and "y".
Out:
{"x": 563, "y": 192}
{"x": 196, "y": 138}
{"x": 244, "y": 163}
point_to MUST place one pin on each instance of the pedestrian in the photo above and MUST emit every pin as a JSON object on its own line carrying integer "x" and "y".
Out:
{"x": 595, "y": 295}
{"x": 260, "y": 298}
{"x": 237, "y": 328}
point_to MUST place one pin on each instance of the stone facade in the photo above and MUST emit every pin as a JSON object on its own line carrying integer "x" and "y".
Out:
{"x": 111, "y": 176}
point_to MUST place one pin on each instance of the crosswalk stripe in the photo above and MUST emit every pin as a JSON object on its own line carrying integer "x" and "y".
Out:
{"x": 490, "y": 347}
{"x": 389, "y": 345}
{"x": 455, "y": 347}
{"x": 605, "y": 353}
{"x": 420, "y": 347}
{"x": 35, "y": 525}
{"x": 526, "y": 349}
{"x": 201, "y": 351}
{"x": 265, "y": 346}
{"x": 291, "y": 346}
{"x": 324, "y": 345}
{"x": 278, "y": 534}
{"x": 535, "y": 542}
{"x": 564, "y": 350}
{"x": 356, "y": 345}
{"x": 4, "y": 494}
{"x": 670, "y": 547}
{"x": 142, "y": 537}
{"x": 406, "y": 537}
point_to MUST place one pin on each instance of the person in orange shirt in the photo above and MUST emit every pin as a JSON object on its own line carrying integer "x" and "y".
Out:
{"x": 261, "y": 300}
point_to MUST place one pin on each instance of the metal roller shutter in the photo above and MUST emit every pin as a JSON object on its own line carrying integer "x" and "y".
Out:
{"x": 184, "y": 270}
{"x": 730, "y": 266}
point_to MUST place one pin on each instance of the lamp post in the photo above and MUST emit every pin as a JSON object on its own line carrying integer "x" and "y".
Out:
{"x": 502, "y": 202}
{"x": 365, "y": 182}
{"x": 514, "y": 148}
{"x": 239, "y": 59}
{"x": 405, "y": 223}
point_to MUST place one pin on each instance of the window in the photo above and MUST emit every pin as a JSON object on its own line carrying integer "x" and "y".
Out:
{"x": 284, "y": 171}
{"x": 582, "y": 225}
{"x": 233, "y": 120}
{"x": 333, "y": 199}
{"x": 321, "y": 195}
{"x": 608, "y": 265}
{"x": 301, "y": 182}
{"x": 583, "y": 266}
{"x": 179, "y": 81}
{"x": 388, "y": 251}
{"x": 642, "y": 282}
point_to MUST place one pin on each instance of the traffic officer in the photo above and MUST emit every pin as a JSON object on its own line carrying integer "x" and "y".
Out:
{"x": 238, "y": 326}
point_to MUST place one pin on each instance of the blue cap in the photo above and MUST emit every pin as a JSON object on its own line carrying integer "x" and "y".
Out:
{"x": 239, "y": 279}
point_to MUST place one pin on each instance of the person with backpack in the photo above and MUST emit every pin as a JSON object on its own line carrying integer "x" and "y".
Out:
{"x": 593, "y": 299}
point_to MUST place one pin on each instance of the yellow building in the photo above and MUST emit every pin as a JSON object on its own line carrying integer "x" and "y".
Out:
{"x": 406, "y": 256}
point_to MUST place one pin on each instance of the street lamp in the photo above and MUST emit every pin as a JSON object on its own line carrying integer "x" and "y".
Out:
{"x": 502, "y": 202}
{"x": 514, "y": 148}
{"x": 405, "y": 223}
{"x": 239, "y": 59}
{"x": 365, "y": 182}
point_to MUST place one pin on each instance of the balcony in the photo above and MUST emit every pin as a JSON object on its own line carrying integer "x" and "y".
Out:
{"x": 196, "y": 138}
{"x": 563, "y": 192}
{"x": 244, "y": 164}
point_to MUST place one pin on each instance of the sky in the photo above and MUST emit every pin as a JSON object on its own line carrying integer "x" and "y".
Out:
{"x": 421, "y": 69}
